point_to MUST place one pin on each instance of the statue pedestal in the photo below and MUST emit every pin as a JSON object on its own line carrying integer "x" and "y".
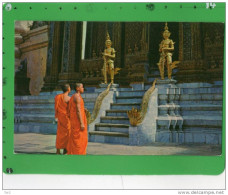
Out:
{"x": 166, "y": 83}
{"x": 103, "y": 86}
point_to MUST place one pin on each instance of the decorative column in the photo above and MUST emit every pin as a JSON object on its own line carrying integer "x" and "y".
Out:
{"x": 65, "y": 54}
{"x": 54, "y": 58}
{"x": 71, "y": 53}
{"x": 196, "y": 42}
{"x": 116, "y": 42}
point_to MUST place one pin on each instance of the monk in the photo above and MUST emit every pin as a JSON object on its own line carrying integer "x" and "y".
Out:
{"x": 62, "y": 116}
{"x": 78, "y": 138}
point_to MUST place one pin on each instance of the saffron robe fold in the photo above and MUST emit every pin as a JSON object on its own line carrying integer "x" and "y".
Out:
{"x": 78, "y": 139}
{"x": 63, "y": 126}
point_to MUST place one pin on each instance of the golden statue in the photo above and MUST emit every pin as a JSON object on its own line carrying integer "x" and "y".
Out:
{"x": 166, "y": 48}
{"x": 108, "y": 56}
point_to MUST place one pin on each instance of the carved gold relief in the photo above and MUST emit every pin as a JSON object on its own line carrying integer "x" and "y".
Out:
{"x": 97, "y": 105}
{"x": 136, "y": 116}
{"x": 88, "y": 116}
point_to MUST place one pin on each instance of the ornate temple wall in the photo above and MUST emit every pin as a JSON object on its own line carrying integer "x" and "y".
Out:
{"x": 34, "y": 51}
{"x": 21, "y": 28}
{"x": 201, "y": 52}
{"x": 53, "y": 52}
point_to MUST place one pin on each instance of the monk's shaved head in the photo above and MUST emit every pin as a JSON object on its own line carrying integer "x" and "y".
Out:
{"x": 78, "y": 85}
{"x": 65, "y": 87}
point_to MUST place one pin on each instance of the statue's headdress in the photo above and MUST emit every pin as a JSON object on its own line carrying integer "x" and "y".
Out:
{"x": 166, "y": 29}
{"x": 108, "y": 37}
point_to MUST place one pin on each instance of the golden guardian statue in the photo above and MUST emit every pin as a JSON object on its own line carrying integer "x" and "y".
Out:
{"x": 166, "y": 49}
{"x": 108, "y": 56}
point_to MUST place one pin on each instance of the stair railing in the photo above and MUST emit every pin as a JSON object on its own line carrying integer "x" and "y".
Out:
{"x": 136, "y": 116}
{"x": 96, "y": 109}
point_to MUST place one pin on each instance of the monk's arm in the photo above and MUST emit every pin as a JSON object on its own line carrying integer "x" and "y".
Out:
{"x": 78, "y": 106}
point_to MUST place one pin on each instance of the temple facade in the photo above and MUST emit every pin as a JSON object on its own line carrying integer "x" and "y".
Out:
{"x": 51, "y": 53}
{"x": 140, "y": 107}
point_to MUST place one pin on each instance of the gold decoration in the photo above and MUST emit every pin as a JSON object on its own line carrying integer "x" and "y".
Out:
{"x": 107, "y": 37}
{"x": 116, "y": 71}
{"x": 174, "y": 64}
{"x": 166, "y": 48}
{"x": 97, "y": 106}
{"x": 136, "y": 116}
{"x": 109, "y": 56}
{"x": 88, "y": 116}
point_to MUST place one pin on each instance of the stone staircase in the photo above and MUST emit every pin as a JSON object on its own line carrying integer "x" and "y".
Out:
{"x": 191, "y": 113}
{"x": 187, "y": 113}
{"x": 201, "y": 107}
{"x": 36, "y": 113}
{"x": 114, "y": 126}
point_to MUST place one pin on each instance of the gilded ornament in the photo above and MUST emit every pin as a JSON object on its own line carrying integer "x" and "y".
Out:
{"x": 136, "y": 116}
{"x": 166, "y": 49}
{"x": 97, "y": 106}
{"x": 109, "y": 56}
{"x": 88, "y": 116}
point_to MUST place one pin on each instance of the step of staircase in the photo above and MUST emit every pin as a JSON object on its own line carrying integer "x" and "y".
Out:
{"x": 190, "y": 91}
{"x": 115, "y": 120}
{"x": 193, "y": 97}
{"x": 201, "y": 97}
{"x": 169, "y": 123}
{"x": 170, "y": 109}
{"x": 30, "y": 127}
{"x": 108, "y": 127}
{"x": 202, "y": 90}
{"x": 34, "y": 106}
{"x": 215, "y": 130}
{"x": 35, "y": 101}
{"x": 116, "y": 113}
{"x": 190, "y": 102}
{"x": 197, "y": 136}
{"x": 125, "y": 89}
{"x": 204, "y": 107}
{"x": 46, "y": 102}
{"x": 128, "y": 99}
{"x": 194, "y": 85}
{"x": 131, "y": 93}
{"x": 202, "y": 121}
{"x": 40, "y": 110}
{"x": 124, "y": 106}
{"x": 109, "y": 137}
{"x": 185, "y": 110}
{"x": 32, "y": 110}
{"x": 205, "y": 112}
{"x": 43, "y": 107}
{"x": 36, "y": 118}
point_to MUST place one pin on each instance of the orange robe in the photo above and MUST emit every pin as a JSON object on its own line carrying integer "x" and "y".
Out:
{"x": 63, "y": 126}
{"x": 78, "y": 139}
